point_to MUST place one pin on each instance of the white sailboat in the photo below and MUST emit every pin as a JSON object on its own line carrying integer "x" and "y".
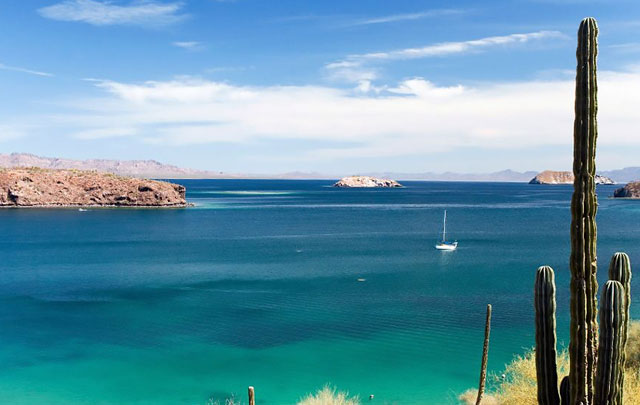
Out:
{"x": 444, "y": 245}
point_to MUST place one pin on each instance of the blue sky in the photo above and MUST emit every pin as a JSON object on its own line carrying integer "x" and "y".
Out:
{"x": 331, "y": 86}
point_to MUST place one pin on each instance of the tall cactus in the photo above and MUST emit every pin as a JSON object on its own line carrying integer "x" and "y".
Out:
{"x": 596, "y": 376}
{"x": 613, "y": 324}
{"x": 620, "y": 270}
{"x": 546, "y": 368}
{"x": 584, "y": 286}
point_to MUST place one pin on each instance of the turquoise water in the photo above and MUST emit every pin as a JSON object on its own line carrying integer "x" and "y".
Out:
{"x": 258, "y": 285}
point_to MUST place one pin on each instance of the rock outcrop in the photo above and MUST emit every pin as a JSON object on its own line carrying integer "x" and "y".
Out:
{"x": 366, "y": 181}
{"x": 35, "y": 187}
{"x": 631, "y": 190}
{"x": 553, "y": 177}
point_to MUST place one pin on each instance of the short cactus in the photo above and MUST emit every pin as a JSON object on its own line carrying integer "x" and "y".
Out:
{"x": 546, "y": 368}
{"x": 613, "y": 325}
{"x": 620, "y": 270}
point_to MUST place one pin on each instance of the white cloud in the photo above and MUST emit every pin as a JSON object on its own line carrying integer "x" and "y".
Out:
{"x": 109, "y": 132}
{"x": 24, "y": 70}
{"x": 414, "y": 117}
{"x": 357, "y": 68}
{"x": 408, "y": 16}
{"x": 188, "y": 45}
{"x": 450, "y": 48}
{"x": 102, "y": 12}
{"x": 350, "y": 71}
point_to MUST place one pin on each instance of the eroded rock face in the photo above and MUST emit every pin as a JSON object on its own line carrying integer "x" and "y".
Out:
{"x": 631, "y": 190}
{"x": 553, "y": 177}
{"x": 366, "y": 181}
{"x": 34, "y": 187}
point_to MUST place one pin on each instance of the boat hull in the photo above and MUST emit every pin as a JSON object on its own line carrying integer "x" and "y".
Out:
{"x": 446, "y": 246}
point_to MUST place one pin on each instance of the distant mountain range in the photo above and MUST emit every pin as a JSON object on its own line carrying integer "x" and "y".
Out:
{"x": 504, "y": 175}
{"x": 623, "y": 175}
{"x": 133, "y": 168}
{"x": 157, "y": 170}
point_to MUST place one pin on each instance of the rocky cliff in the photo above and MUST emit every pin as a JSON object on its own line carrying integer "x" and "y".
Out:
{"x": 366, "y": 181}
{"x": 35, "y": 187}
{"x": 631, "y": 190}
{"x": 553, "y": 177}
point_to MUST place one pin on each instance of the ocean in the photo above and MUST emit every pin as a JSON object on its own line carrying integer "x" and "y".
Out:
{"x": 258, "y": 284}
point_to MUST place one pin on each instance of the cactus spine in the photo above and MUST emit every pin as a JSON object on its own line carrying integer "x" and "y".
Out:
{"x": 582, "y": 263}
{"x": 545, "y": 304}
{"x": 620, "y": 270}
{"x": 613, "y": 324}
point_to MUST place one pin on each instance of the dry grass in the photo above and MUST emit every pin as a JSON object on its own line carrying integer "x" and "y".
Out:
{"x": 469, "y": 398}
{"x": 633, "y": 346}
{"x": 519, "y": 385}
{"x": 329, "y": 396}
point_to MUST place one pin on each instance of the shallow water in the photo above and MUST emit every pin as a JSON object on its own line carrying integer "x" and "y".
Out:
{"x": 258, "y": 285}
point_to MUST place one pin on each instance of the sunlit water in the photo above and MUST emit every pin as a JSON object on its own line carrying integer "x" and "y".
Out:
{"x": 258, "y": 285}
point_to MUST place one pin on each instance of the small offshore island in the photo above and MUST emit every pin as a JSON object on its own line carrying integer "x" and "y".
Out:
{"x": 366, "y": 181}
{"x": 631, "y": 190}
{"x": 35, "y": 187}
{"x": 557, "y": 177}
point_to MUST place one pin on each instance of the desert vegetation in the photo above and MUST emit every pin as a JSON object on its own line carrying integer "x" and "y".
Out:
{"x": 519, "y": 385}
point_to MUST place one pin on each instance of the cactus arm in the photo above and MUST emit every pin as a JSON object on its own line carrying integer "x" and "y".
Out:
{"x": 620, "y": 270}
{"x": 584, "y": 285}
{"x": 545, "y": 305}
{"x": 613, "y": 322}
{"x": 565, "y": 391}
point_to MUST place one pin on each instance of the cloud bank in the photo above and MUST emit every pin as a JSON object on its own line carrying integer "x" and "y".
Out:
{"x": 414, "y": 117}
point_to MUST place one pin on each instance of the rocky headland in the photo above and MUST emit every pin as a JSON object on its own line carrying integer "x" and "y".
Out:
{"x": 35, "y": 187}
{"x": 366, "y": 181}
{"x": 631, "y": 190}
{"x": 555, "y": 177}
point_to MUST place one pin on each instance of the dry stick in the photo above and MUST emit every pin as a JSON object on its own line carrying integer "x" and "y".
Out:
{"x": 485, "y": 355}
{"x": 252, "y": 396}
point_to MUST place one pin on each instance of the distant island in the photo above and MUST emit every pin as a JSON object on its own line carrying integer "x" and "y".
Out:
{"x": 555, "y": 177}
{"x": 35, "y": 187}
{"x": 631, "y": 190}
{"x": 366, "y": 181}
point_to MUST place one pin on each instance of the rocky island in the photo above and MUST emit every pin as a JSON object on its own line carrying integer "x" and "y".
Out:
{"x": 35, "y": 187}
{"x": 366, "y": 181}
{"x": 631, "y": 190}
{"x": 555, "y": 177}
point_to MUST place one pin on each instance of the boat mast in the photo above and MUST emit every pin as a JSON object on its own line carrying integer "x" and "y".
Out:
{"x": 444, "y": 227}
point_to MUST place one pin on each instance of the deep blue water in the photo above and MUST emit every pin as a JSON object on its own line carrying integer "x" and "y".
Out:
{"x": 258, "y": 285}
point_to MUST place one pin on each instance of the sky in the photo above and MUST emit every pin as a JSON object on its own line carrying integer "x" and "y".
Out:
{"x": 330, "y": 86}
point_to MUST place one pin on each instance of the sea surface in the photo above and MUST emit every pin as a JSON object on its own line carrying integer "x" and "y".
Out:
{"x": 258, "y": 285}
